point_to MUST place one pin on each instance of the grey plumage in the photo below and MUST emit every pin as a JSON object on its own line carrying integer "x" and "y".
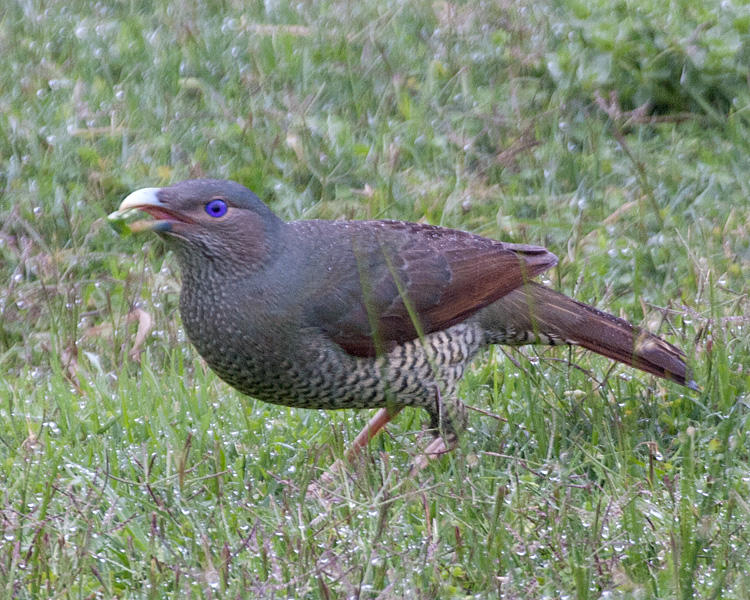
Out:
{"x": 364, "y": 314}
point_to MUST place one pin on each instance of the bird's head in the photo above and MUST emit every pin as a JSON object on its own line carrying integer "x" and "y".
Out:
{"x": 208, "y": 220}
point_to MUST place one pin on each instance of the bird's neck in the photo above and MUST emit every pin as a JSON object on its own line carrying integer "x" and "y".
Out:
{"x": 239, "y": 253}
{"x": 228, "y": 293}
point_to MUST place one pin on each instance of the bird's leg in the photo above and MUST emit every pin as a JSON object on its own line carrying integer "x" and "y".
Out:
{"x": 437, "y": 447}
{"x": 380, "y": 420}
{"x": 444, "y": 420}
{"x": 377, "y": 422}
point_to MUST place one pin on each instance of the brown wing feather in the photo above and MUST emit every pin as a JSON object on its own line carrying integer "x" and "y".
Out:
{"x": 387, "y": 282}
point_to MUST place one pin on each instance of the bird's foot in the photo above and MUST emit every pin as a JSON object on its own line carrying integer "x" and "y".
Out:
{"x": 334, "y": 474}
{"x": 323, "y": 487}
{"x": 434, "y": 450}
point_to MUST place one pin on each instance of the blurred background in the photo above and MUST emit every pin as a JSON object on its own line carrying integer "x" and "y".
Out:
{"x": 614, "y": 133}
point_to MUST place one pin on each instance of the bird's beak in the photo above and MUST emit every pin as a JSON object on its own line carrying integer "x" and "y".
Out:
{"x": 147, "y": 200}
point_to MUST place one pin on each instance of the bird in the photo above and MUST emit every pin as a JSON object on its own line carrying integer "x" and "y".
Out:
{"x": 350, "y": 314}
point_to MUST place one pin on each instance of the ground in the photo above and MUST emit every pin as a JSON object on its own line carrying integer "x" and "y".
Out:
{"x": 616, "y": 134}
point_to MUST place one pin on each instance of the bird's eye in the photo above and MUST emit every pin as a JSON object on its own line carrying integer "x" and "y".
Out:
{"x": 216, "y": 208}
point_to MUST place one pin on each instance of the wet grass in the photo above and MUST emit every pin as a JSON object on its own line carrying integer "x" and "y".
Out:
{"x": 130, "y": 471}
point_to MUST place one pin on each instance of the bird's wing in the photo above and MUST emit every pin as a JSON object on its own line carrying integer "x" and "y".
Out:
{"x": 387, "y": 282}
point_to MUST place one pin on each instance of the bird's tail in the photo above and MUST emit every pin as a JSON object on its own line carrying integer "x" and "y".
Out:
{"x": 535, "y": 314}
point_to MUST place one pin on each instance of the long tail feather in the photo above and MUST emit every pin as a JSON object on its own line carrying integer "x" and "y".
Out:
{"x": 537, "y": 314}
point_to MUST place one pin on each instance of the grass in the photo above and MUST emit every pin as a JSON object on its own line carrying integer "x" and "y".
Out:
{"x": 129, "y": 471}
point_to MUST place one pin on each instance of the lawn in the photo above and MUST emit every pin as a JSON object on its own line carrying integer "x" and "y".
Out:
{"x": 616, "y": 134}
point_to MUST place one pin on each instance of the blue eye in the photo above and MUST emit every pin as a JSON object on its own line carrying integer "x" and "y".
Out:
{"x": 216, "y": 208}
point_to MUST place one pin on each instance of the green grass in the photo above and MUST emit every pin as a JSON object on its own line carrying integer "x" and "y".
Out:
{"x": 135, "y": 473}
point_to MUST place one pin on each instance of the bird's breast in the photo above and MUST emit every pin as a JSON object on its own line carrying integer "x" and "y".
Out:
{"x": 234, "y": 329}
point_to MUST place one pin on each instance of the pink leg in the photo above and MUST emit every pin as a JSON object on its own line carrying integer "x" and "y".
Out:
{"x": 381, "y": 418}
{"x": 337, "y": 469}
{"x": 435, "y": 448}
